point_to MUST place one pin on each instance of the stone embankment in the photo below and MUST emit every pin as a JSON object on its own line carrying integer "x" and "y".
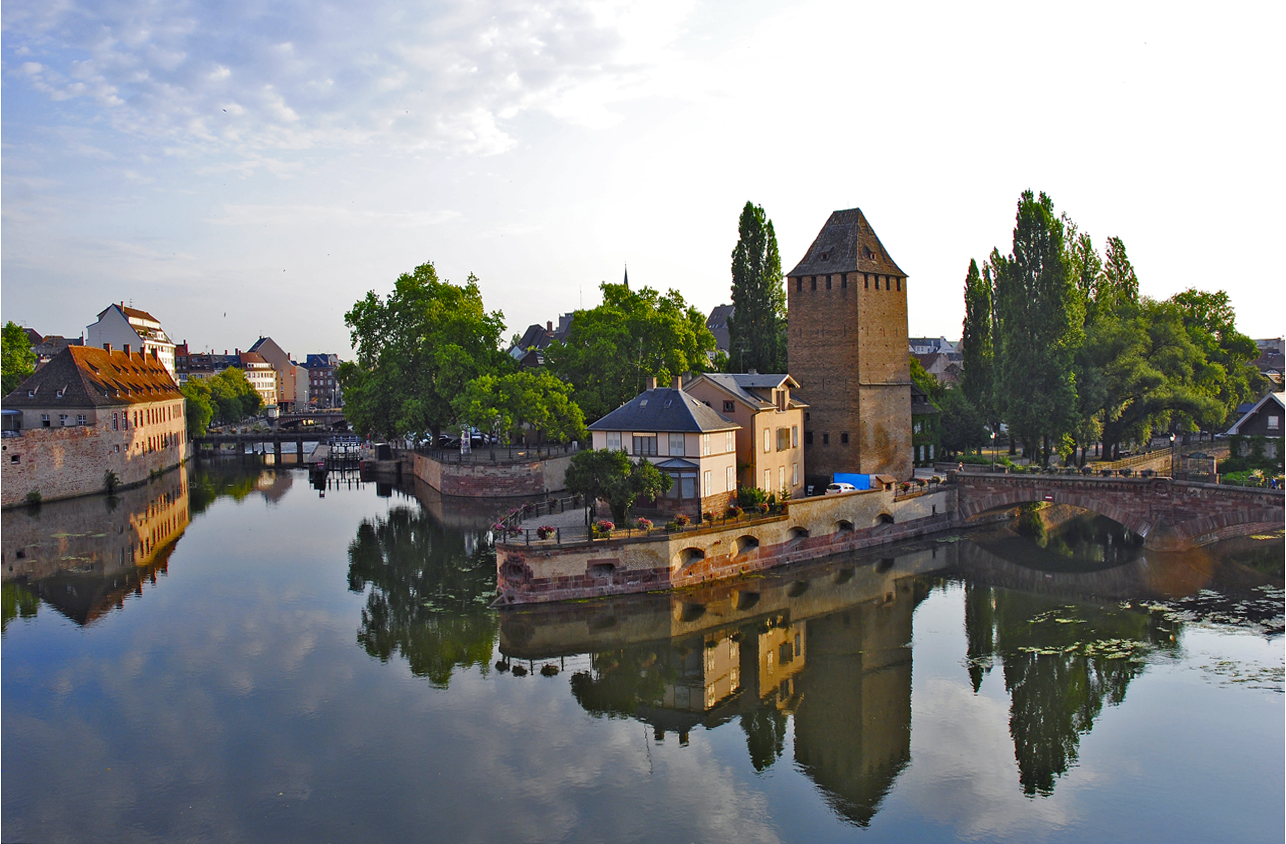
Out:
{"x": 500, "y": 479}
{"x": 813, "y": 528}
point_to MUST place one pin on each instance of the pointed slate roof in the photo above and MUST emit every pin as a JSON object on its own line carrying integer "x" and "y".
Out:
{"x": 92, "y": 377}
{"x": 664, "y": 410}
{"x": 846, "y": 244}
{"x": 1279, "y": 397}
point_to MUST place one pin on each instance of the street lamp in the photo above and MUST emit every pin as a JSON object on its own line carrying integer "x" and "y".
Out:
{"x": 993, "y": 451}
{"x": 1172, "y": 454}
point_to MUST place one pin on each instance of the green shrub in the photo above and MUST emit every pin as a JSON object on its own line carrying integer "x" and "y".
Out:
{"x": 34, "y": 498}
{"x": 749, "y": 498}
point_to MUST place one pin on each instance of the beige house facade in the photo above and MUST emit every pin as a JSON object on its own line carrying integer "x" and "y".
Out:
{"x": 770, "y": 453}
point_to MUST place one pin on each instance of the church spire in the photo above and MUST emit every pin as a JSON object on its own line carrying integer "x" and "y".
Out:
{"x": 627, "y": 276}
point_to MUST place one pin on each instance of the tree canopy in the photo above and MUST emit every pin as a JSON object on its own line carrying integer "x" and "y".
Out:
{"x": 1078, "y": 355}
{"x": 611, "y": 475}
{"x": 17, "y": 360}
{"x": 227, "y": 397}
{"x": 507, "y": 403}
{"x": 757, "y": 327}
{"x": 416, "y": 351}
{"x": 612, "y": 348}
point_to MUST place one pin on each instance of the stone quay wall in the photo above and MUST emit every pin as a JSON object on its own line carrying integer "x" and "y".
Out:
{"x": 812, "y": 529}
{"x": 66, "y": 462}
{"x": 492, "y": 480}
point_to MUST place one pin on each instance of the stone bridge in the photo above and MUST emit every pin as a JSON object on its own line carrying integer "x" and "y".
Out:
{"x": 1170, "y": 515}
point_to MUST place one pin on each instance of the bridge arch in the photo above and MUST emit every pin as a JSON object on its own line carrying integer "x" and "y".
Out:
{"x": 1169, "y": 515}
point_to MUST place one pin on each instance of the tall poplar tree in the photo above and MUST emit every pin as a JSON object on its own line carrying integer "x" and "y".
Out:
{"x": 976, "y": 343}
{"x": 1040, "y": 326}
{"x": 757, "y": 327}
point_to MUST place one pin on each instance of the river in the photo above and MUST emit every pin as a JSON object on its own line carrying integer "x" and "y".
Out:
{"x": 229, "y": 654}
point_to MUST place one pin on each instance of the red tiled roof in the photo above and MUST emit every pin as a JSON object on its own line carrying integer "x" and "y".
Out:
{"x": 93, "y": 377}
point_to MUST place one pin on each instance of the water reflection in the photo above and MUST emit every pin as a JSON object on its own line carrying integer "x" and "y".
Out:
{"x": 828, "y": 646}
{"x": 85, "y": 556}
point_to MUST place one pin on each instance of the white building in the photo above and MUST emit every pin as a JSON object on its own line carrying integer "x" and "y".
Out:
{"x": 261, "y": 376}
{"x": 131, "y": 330}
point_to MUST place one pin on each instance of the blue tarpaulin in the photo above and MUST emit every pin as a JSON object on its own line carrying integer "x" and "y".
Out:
{"x": 858, "y": 481}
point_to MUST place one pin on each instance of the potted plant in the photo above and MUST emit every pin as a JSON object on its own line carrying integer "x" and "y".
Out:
{"x": 545, "y": 531}
{"x": 734, "y": 511}
{"x": 603, "y": 528}
{"x": 642, "y": 524}
{"x": 681, "y": 520}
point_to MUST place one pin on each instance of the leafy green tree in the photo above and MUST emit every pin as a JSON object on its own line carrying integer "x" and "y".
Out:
{"x": 17, "y": 360}
{"x": 612, "y": 348}
{"x": 963, "y": 428}
{"x": 232, "y": 396}
{"x": 612, "y": 476}
{"x": 507, "y": 403}
{"x": 976, "y": 347}
{"x": 1040, "y": 329}
{"x": 198, "y": 407}
{"x": 416, "y": 351}
{"x": 1228, "y": 374}
{"x": 757, "y": 327}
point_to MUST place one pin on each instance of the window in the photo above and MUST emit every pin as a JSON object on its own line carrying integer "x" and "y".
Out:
{"x": 767, "y": 480}
{"x": 866, "y": 280}
{"x": 783, "y": 439}
{"x": 614, "y": 440}
{"x": 62, "y": 419}
{"x": 730, "y": 478}
{"x": 15, "y": 458}
{"x": 1274, "y": 423}
{"x": 916, "y": 427}
{"x": 843, "y": 438}
{"x": 930, "y": 451}
{"x": 116, "y": 422}
{"x": 729, "y": 441}
{"x": 812, "y": 280}
{"x": 843, "y": 281}
{"x": 808, "y": 438}
{"x": 676, "y": 445}
{"x": 80, "y": 419}
{"x": 44, "y": 420}
{"x": 828, "y": 282}
{"x": 729, "y": 407}
{"x": 705, "y": 445}
{"x": 799, "y": 284}
{"x": 794, "y": 474}
{"x": 645, "y": 445}
{"x": 826, "y": 439}
{"x": 767, "y": 440}
{"x": 706, "y": 483}
{"x": 899, "y": 283}
{"x": 794, "y": 436}
{"x": 781, "y": 477}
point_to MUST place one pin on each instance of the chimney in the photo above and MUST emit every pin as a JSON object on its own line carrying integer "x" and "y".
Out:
{"x": 126, "y": 348}
{"x": 107, "y": 347}
{"x": 549, "y": 326}
{"x": 651, "y": 382}
{"x": 678, "y": 382}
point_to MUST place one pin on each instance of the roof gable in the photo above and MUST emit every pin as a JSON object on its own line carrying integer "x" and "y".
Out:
{"x": 1279, "y": 398}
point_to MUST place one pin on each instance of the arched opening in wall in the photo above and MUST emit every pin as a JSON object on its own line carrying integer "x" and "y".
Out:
{"x": 842, "y": 528}
{"x": 746, "y": 600}
{"x": 688, "y": 556}
{"x": 884, "y": 519}
{"x": 601, "y": 569}
{"x": 843, "y": 576}
{"x": 797, "y": 535}
{"x": 744, "y": 545}
{"x": 884, "y": 564}
{"x": 515, "y": 571}
{"x": 797, "y": 588}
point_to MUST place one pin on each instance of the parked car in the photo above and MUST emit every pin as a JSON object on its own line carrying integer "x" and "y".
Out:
{"x": 836, "y": 489}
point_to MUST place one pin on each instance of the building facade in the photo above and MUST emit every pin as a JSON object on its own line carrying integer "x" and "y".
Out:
{"x": 261, "y": 376}
{"x": 84, "y": 414}
{"x": 682, "y": 437}
{"x": 131, "y": 330}
{"x": 847, "y": 346}
{"x": 770, "y": 450}
{"x": 292, "y": 384}
{"x": 323, "y": 385}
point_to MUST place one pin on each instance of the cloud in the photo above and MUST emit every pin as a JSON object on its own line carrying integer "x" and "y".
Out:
{"x": 292, "y": 75}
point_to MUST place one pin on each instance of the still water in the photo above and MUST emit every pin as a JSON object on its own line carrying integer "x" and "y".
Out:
{"x": 232, "y": 656}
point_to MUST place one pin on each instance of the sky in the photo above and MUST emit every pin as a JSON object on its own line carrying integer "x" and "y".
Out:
{"x": 242, "y": 169}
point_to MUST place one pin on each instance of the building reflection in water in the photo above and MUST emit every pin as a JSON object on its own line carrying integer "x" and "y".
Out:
{"x": 83, "y": 557}
{"x": 827, "y": 645}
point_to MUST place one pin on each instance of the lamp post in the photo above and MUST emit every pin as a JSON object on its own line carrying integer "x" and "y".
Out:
{"x": 1172, "y": 454}
{"x": 993, "y": 451}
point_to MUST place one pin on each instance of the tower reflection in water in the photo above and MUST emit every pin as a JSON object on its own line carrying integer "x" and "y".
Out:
{"x": 828, "y": 646}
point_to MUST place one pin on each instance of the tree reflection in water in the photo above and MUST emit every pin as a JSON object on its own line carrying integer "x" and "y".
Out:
{"x": 1062, "y": 663}
{"x": 429, "y": 593}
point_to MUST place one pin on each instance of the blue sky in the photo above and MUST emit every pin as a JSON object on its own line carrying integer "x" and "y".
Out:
{"x": 242, "y": 168}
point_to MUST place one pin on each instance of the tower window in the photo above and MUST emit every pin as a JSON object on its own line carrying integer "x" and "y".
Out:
{"x": 899, "y": 284}
{"x": 808, "y": 438}
{"x": 812, "y": 280}
{"x": 828, "y": 282}
{"x": 826, "y": 439}
{"x": 843, "y": 281}
{"x": 843, "y": 438}
{"x": 866, "y": 280}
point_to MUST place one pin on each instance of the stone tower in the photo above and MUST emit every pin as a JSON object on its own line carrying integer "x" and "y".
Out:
{"x": 848, "y": 351}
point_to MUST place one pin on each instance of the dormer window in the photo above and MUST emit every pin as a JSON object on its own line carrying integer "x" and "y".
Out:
{"x": 61, "y": 390}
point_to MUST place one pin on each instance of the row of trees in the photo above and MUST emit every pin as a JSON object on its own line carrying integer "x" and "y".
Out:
{"x": 226, "y": 398}
{"x": 1059, "y": 345}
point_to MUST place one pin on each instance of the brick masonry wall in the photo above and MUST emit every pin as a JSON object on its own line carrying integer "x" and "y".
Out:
{"x": 814, "y": 528}
{"x": 65, "y": 462}
{"x": 848, "y": 350}
{"x": 492, "y": 480}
